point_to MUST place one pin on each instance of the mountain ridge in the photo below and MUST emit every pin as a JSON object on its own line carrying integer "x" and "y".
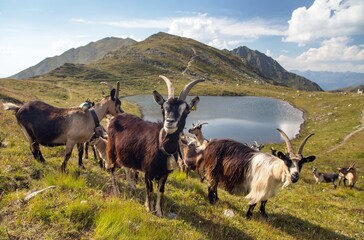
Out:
{"x": 83, "y": 55}
{"x": 186, "y": 58}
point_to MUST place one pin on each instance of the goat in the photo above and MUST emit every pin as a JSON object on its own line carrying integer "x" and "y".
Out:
{"x": 81, "y": 147}
{"x": 244, "y": 170}
{"x": 50, "y": 126}
{"x": 192, "y": 153}
{"x": 151, "y": 147}
{"x": 348, "y": 173}
{"x": 325, "y": 177}
{"x": 256, "y": 146}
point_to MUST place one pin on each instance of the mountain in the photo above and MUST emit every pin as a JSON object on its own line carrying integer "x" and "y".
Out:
{"x": 273, "y": 71}
{"x": 176, "y": 57}
{"x": 84, "y": 55}
{"x": 333, "y": 80}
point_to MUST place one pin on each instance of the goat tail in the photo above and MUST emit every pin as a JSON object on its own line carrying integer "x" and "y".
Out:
{"x": 11, "y": 106}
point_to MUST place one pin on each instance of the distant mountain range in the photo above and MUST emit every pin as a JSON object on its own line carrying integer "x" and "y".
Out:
{"x": 163, "y": 53}
{"x": 334, "y": 80}
{"x": 84, "y": 55}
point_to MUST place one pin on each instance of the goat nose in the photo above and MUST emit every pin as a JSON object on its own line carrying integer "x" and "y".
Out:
{"x": 170, "y": 120}
{"x": 295, "y": 176}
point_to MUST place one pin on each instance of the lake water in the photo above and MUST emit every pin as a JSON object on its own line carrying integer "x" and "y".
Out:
{"x": 245, "y": 119}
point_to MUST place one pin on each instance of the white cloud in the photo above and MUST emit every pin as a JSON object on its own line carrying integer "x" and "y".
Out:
{"x": 268, "y": 53}
{"x": 62, "y": 45}
{"x": 217, "y": 32}
{"x": 335, "y": 54}
{"x": 326, "y": 19}
{"x": 222, "y": 32}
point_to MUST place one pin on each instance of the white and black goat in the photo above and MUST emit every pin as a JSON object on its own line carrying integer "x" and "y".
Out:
{"x": 150, "y": 147}
{"x": 325, "y": 177}
{"x": 50, "y": 126}
{"x": 242, "y": 170}
{"x": 256, "y": 146}
{"x": 192, "y": 153}
{"x": 348, "y": 173}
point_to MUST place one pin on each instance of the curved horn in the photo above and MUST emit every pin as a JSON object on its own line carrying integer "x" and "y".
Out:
{"x": 169, "y": 86}
{"x": 117, "y": 90}
{"x": 303, "y": 143}
{"x": 108, "y": 84}
{"x": 188, "y": 87}
{"x": 352, "y": 165}
{"x": 286, "y": 139}
{"x": 204, "y": 123}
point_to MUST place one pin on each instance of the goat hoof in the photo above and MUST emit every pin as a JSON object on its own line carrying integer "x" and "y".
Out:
{"x": 264, "y": 215}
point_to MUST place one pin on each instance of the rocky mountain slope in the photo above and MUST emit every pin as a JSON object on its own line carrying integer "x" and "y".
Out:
{"x": 84, "y": 55}
{"x": 272, "y": 70}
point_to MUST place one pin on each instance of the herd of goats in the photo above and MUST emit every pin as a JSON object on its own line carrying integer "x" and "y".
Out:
{"x": 155, "y": 148}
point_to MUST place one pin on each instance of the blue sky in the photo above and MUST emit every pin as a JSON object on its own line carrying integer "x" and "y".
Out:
{"x": 321, "y": 35}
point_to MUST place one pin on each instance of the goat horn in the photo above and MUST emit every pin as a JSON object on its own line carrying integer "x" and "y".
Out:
{"x": 117, "y": 90}
{"x": 169, "y": 86}
{"x": 204, "y": 123}
{"x": 108, "y": 84}
{"x": 352, "y": 165}
{"x": 187, "y": 89}
{"x": 286, "y": 139}
{"x": 303, "y": 143}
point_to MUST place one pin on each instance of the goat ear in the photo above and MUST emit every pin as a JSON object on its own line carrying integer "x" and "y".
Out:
{"x": 308, "y": 159}
{"x": 112, "y": 94}
{"x": 281, "y": 156}
{"x": 193, "y": 104}
{"x": 158, "y": 98}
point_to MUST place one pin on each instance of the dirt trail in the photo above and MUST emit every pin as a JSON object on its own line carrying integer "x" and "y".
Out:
{"x": 349, "y": 135}
{"x": 69, "y": 93}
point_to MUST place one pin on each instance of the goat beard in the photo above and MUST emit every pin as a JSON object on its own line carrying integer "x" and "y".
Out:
{"x": 286, "y": 179}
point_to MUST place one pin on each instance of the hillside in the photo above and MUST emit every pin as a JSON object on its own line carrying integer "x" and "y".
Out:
{"x": 273, "y": 71}
{"x": 83, "y": 55}
{"x": 82, "y": 206}
{"x": 333, "y": 80}
{"x": 176, "y": 56}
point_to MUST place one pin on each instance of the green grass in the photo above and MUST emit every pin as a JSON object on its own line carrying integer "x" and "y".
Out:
{"x": 81, "y": 205}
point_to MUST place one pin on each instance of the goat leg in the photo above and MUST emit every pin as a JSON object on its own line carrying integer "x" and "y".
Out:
{"x": 262, "y": 209}
{"x": 115, "y": 187}
{"x": 35, "y": 149}
{"x": 160, "y": 193}
{"x": 249, "y": 213}
{"x": 67, "y": 156}
{"x": 212, "y": 192}
{"x": 129, "y": 178}
{"x": 149, "y": 200}
{"x": 86, "y": 150}
{"x": 80, "y": 149}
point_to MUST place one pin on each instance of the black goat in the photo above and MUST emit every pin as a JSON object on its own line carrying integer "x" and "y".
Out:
{"x": 150, "y": 147}
{"x": 325, "y": 177}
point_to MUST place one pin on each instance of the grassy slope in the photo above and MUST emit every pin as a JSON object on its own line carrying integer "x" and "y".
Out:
{"x": 81, "y": 206}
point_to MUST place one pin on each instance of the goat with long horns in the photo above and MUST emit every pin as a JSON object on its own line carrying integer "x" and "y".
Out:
{"x": 243, "y": 170}
{"x": 148, "y": 146}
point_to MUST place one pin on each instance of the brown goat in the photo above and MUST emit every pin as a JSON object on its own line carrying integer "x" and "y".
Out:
{"x": 150, "y": 147}
{"x": 50, "y": 126}
{"x": 348, "y": 173}
{"x": 193, "y": 153}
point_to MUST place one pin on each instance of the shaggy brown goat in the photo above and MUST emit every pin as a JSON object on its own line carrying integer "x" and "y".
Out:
{"x": 150, "y": 147}
{"x": 243, "y": 170}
